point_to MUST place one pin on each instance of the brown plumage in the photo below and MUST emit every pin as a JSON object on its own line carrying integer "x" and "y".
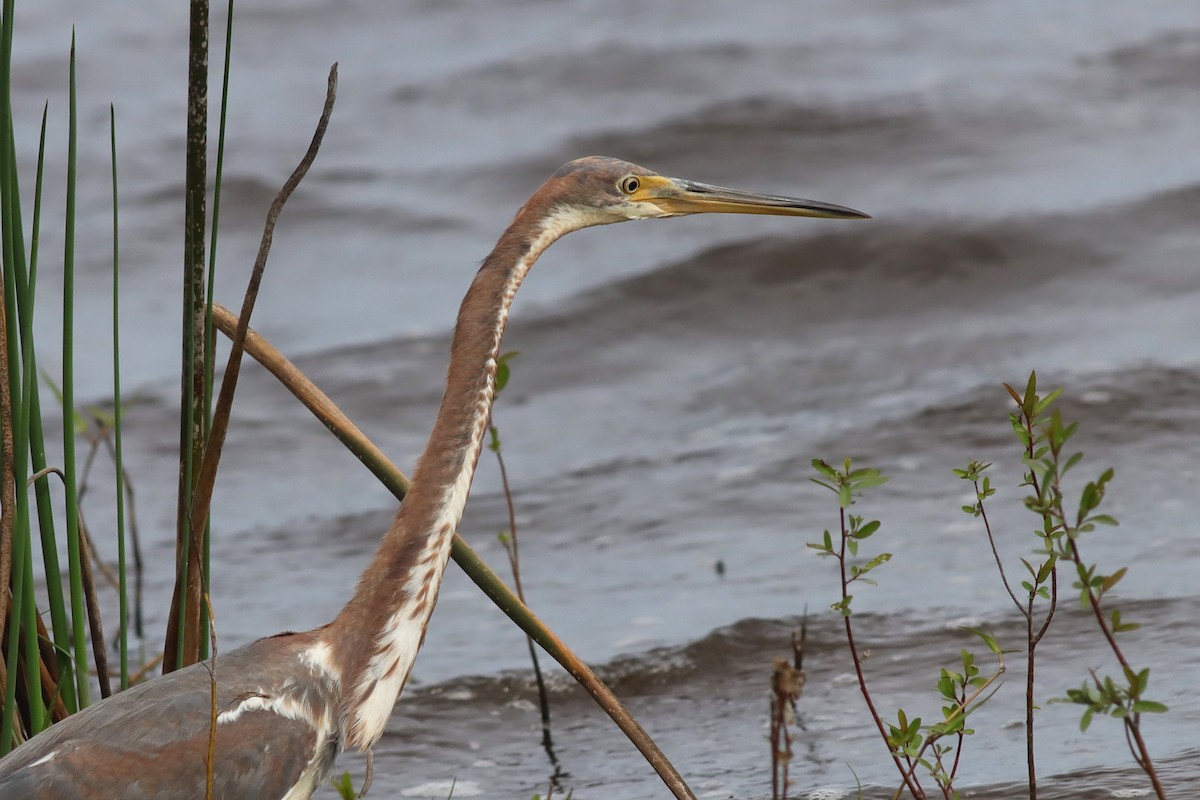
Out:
{"x": 288, "y": 704}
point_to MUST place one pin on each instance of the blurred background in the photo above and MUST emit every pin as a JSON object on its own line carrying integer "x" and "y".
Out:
{"x": 1035, "y": 181}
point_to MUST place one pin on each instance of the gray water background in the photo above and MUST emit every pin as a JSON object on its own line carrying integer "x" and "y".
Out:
{"x": 1035, "y": 180}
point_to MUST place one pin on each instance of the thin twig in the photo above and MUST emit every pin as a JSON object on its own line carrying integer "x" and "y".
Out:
{"x": 94, "y": 440}
{"x": 512, "y": 547}
{"x": 202, "y": 496}
{"x": 95, "y": 624}
{"x": 987, "y": 526}
{"x": 145, "y": 670}
{"x": 210, "y": 762}
{"x": 216, "y": 440}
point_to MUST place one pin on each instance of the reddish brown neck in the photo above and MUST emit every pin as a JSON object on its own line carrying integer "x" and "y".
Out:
{"x": 374, "y": 639}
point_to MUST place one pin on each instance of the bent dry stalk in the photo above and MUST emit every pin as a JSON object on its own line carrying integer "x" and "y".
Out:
{"x": 373, "y": 459}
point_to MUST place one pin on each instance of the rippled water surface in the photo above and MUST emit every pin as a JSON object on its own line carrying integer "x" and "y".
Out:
{"x": 1035, "y": 181}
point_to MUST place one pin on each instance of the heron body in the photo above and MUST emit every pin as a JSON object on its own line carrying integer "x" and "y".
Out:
{"x": 287, "y": 705}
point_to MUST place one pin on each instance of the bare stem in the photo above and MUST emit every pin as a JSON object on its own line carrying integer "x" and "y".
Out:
{"x": 512, "y": 547}
{"x": 996, "y": 554}
{"x": 906, "y": 774}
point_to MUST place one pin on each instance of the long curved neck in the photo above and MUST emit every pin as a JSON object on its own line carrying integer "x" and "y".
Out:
{"x": 374, "y": 641}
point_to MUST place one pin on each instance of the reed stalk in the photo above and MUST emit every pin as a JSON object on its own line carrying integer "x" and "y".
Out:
{"x": 476, "y": 568}
{"x": 56, "y": 601}
{"x": 209, "y": 332}
{"x": 182, "y": 641}
{"x": 74, "y": 549}
{"x": 118, "y": 459}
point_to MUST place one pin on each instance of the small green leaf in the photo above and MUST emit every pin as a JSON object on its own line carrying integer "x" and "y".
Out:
{"x": 867, "y": 530}
{"x": 1088, "y": 499}
{"x": 871, "y": 481}
{"x": 1148, "y": 707}
{"x": 1046, "y": 569}
{"x": 502, "y": 369}
{"x": 988, "y": 640}
{"x": 1113, "y": 580}
{"x": 882, "y": 558}
{"x": 823, "y": 468}
{"x": 344, "y": 786}
{"x": 1046, "y": 401}
{"x": 1028, "y": 402}
{"x": 1141, "y": 681}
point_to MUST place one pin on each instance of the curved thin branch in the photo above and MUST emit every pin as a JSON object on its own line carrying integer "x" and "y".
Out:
{"x": 207, "y": 476}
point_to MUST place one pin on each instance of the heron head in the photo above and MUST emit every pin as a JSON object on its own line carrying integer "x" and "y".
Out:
{"x": 598, "y": 190}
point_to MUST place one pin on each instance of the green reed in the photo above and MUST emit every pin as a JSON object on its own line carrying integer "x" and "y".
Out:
{"x": 118, "y": 458}
{"x": 74, "y": 548}
{"x": 45, "y": 672}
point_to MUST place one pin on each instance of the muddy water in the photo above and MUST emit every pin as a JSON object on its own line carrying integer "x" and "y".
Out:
{"x": 1035, "y": 182}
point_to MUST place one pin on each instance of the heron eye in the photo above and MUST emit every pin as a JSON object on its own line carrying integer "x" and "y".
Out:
{"x": 629, "y": 184}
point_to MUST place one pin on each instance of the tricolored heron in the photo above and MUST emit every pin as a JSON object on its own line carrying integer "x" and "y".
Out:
{"x": 288, "y": 704}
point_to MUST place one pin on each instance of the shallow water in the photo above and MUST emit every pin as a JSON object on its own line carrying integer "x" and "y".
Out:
{"x": 1035, "y": 182}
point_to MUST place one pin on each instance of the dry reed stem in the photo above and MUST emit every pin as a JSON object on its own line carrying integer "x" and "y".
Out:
{"x": 95, "y": 625}
{"x": 51, "y": 676}
{"x": 348, "y": 433}
{"x": 194, "y": 378}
